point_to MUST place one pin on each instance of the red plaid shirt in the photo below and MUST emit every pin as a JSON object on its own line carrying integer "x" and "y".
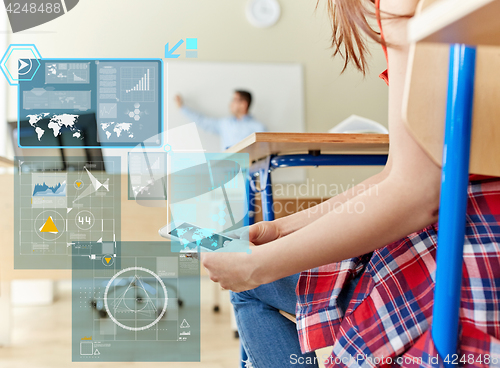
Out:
{"x": 387, "y": 322}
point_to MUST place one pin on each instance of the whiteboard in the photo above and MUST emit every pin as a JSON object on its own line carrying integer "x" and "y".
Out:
{"x": 207, "y": 87}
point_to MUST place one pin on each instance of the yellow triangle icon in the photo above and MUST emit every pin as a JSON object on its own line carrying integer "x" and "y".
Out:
{"x": 49, "y": 226}
{"x": 107, "y": 260}
{"x": 78, "y": 183}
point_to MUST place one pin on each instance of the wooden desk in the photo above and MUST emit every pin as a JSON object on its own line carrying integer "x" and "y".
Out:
{"x": 471, "y": 22}
{"x": 5, "y": 162}
{"x": 424, "y": 106}
{"x": 269, "y": 151}
{"x": 260, "y": 145}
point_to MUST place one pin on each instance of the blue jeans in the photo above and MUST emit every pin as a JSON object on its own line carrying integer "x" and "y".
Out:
{"x": 269, "y": 339}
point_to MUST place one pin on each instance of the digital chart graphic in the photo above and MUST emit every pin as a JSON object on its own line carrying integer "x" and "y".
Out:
{"x": 67, "y": 73}
{"x": 93, "y": 103}
{"x": 57, "y": 211}
{"x": 147, "y": 176}
{"x": 211, "y": 195}
{"x": 143, "y": 302}
{"x": 129, "y": 99}
{"x": 137, "y": 84}
{"x": 145, "y": 307}
{"x": 49, "y": 190}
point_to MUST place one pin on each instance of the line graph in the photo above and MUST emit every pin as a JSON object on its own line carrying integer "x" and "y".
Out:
{"x": 107, "y": 110}
{"x": 58, "y": 190}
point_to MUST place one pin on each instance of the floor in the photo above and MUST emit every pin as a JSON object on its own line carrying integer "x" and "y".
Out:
{"x": 42, "y": 335}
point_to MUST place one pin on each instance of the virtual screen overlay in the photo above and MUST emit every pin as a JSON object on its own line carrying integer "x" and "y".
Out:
{"x": 91, "y": 103}
{"x": 144, "y": 308}
{"x": 207, "y": 197}
{"x": 192, "y": 236}
{"x": 63, "y": 213}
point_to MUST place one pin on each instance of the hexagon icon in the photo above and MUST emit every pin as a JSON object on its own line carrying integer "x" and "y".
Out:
{"x": 20, "y": 63}
{"x": 136, "y": 113}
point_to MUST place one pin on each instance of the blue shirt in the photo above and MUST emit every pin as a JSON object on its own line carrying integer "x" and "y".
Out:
{"x": 231, "y": 130}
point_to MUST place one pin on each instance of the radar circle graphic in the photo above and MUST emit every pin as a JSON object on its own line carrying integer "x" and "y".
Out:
{"x": 132, "y": 295}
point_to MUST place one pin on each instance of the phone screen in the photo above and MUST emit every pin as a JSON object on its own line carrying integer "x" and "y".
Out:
{"x": 191, "y": 235}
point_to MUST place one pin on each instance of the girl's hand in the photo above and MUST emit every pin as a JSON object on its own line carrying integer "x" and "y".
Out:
{"x": 232, "y": 268}
{"x": 264, "y": 232}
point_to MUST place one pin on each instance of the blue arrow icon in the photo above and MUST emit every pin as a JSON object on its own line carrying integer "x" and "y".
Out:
{"x": 169, "y": 54}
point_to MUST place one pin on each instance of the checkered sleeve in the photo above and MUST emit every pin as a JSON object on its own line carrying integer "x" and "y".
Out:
{"x": 390, "y": 312}
{"x": 317, "y": 309}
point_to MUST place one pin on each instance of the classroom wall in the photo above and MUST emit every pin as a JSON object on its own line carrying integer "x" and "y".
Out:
{"x": 132, "y": 28}
{"x": 3, "y": 92}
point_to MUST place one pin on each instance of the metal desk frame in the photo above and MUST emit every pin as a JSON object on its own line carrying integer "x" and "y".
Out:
{"x": 262, "y": 170}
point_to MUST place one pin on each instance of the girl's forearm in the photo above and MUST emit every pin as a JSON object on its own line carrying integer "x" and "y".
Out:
{"x": 369, "y": 221}
{"x": 292, "y": 223}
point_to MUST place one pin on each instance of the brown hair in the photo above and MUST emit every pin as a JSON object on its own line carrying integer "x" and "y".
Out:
{"x": 245, "y": 96}
{"x": 350, "y": 27}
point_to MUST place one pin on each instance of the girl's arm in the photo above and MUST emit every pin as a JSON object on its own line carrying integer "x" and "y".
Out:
{"x": 406, "y": 201}
{"x": 266, "y": 231}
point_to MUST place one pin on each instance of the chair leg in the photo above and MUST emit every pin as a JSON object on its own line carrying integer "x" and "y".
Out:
{"x": 453, "y": 202}
{"x": 216, "y": 289}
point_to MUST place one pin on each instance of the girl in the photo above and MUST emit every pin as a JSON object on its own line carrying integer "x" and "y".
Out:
{"x": 366, "y": 279}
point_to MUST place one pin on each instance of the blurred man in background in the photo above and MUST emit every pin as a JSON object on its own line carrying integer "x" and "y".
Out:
{"x": 231, "y": 129}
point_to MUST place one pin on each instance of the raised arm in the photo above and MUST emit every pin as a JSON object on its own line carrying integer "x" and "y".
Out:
{"x": 204, "y": 122}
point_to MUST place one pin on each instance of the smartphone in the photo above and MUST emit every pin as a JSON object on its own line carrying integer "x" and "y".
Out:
{"x": 192, "y": 236}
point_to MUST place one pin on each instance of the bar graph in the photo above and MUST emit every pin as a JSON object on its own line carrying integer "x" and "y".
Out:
{"x": 142, "y": 85}
{"x": 137, "y": 84}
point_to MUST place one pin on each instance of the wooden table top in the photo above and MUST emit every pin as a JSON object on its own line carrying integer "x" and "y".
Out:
{"x": 472, "y": 22}
{"x": 425, "y": 97}
{"x": 5, "y": 162}
{"x": 260, "y": 145}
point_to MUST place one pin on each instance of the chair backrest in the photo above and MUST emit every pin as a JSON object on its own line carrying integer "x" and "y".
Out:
{"x": 425, "y": 98}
